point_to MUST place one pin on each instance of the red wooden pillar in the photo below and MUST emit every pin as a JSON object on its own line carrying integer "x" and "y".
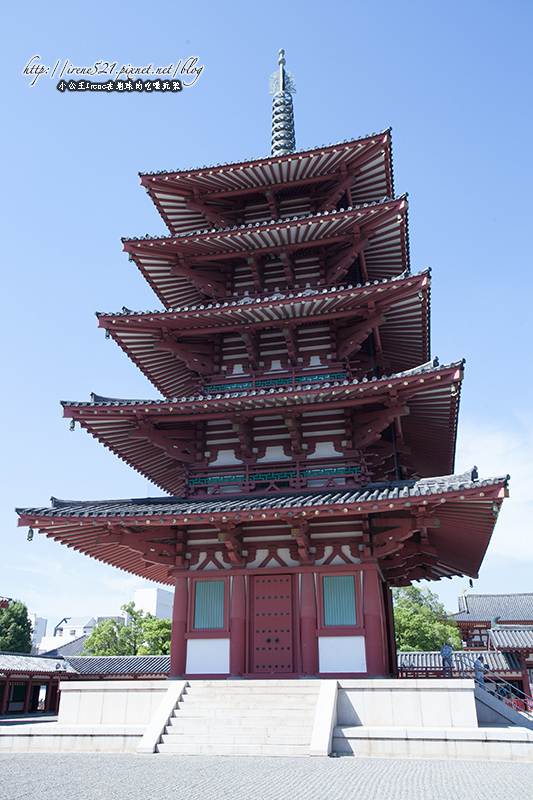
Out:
{"x": 178, "y": 642}
{"x": 5, "y": 696}
{"x": 48, "y": 696}
{"x": 27, "y": 696}
{"x": 375, "y": 639}
{"x": 237, "y": 659}
{"x": 308, "y": 625}
{"x": 525, "y": 683}
{"x": 57, "y": 697}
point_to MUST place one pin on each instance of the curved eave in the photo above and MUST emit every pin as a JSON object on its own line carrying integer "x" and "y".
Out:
{"x": 461, "y": 514}
{"x": 431, "y": 394}
{"x": 383, "y": 226}
{"x": 404, "y": 334}
{"x": 320, "y": 169}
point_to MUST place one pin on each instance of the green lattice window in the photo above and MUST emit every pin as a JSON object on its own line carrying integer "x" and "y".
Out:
{"x": 208, "y": 605}
{"x": 339, "y": 600}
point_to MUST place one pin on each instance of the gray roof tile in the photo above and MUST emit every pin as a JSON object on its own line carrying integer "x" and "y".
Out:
{"x": 265, "y": 157}
{"x": 100, "y": 400}
{"x": 462, "y": 660}
{"x": 121, "y": 665}
{"x": 512, "y": 638}
{"x": 266, "y": 223}
{"x": 260, "y": 301}
{"x": 20, "y": 662}
{"x": 485, "y": 607}
{"x": 176, "y": 505}
{"x": 73, "y": 648}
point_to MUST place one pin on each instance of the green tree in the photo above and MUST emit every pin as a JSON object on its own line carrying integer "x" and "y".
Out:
{"x": 15, "y": 628}
{"x": 156, "y": 636}
{"x": 421, "y": 622}
{"x": 143, "y": 635}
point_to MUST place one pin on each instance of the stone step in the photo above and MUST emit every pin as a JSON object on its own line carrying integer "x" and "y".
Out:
{"x": 251, "y": 687}
{"x": 246, "y": 718}
{"x": 285, "y": 692}
{"x": 235, "y": 749}
{"x": 234, "y": 712}
{"x": 266, "y": 726}
{"x": 257, "y": 697}
{"x": 264, "y": 683}
{"x": 280, "y": 737}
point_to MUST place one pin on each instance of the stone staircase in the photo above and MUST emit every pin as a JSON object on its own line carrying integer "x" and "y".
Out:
{"x": 252, "y": 717}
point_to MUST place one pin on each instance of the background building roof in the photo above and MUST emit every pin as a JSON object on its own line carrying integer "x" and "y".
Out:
{"x": 485, "y": 607}
{"x": 461, "y": 661}
{"x": 20, "y": 662}
{"x": 512, "y": 638}
{"x": 72, "y": 648}
{"x": 121, "y": 665}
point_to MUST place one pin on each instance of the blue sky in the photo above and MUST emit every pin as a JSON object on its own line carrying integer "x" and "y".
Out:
{"x": 454, "y": 82}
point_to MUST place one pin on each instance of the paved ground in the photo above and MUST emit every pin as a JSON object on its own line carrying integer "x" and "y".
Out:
{"x": 135, "y": 777}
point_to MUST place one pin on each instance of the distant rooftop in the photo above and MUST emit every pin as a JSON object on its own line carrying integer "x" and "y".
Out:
{"x": 73, "y": 648}
{"x": 461, "y": 660}
{"x": 21, "y": 662}
{"x": 121, "y": 665}
{"x": 485, "y": 607}
{"x": 76, "y": 622}
{"x": 512, "y": 638}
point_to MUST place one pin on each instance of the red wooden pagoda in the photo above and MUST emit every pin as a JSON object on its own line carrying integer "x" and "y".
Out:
{"x": 303, "y": 426}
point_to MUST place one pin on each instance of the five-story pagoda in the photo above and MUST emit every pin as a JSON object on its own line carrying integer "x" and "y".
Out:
{"x": 303, "y": 426}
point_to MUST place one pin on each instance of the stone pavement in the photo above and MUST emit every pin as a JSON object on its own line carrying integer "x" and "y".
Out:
{"x": 69, "y": 776}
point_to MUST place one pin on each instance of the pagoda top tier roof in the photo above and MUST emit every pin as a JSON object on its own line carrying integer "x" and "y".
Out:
{"x": 188, "y": 198}
{"x": 457, "y": 511}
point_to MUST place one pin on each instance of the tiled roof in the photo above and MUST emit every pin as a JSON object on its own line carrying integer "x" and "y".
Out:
{"x": 404, "y": 329}
{"x": 485, "y": 607}
{"x": 386, "y": 251}
{"x": 73, "y": 648}
{"x": 372, "y": 492}
{"x": 422, "y": 369}
{"x": 266, "y": 157}
{"x": 512, "y": 638}
{"x": 259, "y": 301}
{"x": 462, "y": 661}
{"x": 19, "y": 662}
{"x": 252, "y": 226}
{"x": 121, "y": 665}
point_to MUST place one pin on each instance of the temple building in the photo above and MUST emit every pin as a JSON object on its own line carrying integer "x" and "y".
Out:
{"x": 304, "y": 436}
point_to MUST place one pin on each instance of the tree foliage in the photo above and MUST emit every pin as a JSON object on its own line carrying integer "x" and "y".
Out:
{"x": 143, "y": 635}
{"x": 15, "y": 628}
{"x": 421, "y": 622}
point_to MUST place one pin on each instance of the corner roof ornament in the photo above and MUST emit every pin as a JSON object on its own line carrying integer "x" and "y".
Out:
{"x": 282, "y": 86}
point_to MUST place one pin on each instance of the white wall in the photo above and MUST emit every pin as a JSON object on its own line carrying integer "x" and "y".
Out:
{"x": 207, "y": 657}
{"x": 341, "y": 654}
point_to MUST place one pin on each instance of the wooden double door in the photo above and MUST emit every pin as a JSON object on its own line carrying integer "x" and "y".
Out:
{"x": 272, "y": 626}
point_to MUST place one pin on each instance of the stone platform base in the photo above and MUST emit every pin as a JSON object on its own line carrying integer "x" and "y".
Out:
{"x": 373, "y": 717}
{"x": 50, "y": 737}
{"x": 485, "y": 744}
